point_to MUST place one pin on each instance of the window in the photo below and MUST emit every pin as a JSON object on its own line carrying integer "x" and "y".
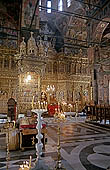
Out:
{"x": 39, "y": 5}
{"x": 68, "y": 3}
{"x": 60, "y": 5}
{"x": 49, "y": 6}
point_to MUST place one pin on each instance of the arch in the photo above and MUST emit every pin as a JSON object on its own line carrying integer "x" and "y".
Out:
{"x": 12, "y": 109}
{"x": 11, "y": 101}
{"x": 100, "y": 29}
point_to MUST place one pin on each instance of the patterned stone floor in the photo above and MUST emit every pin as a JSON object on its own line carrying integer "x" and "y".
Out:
{"x": 84, "y": 146}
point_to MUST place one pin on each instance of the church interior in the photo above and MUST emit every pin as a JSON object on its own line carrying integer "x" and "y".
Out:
{"x": 54, "y": 72}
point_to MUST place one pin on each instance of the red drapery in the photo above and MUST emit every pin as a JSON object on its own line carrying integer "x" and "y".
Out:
{"x": 52, "y": 108}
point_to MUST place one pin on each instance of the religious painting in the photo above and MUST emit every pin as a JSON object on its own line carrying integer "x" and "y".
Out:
{"x": 49, "y": 67}
{"x": 91, "y": 55}
{"x": 61, "y": 67}
{"x": 69, "y": 95}
{"x": 7, "y": 31}
{"x": 27, "y": 13}
{"x": 55, "y": 67}
{"x": 61, "y": 95}
{"x": 101, "y": 95}
{"x": 105, "y": 80}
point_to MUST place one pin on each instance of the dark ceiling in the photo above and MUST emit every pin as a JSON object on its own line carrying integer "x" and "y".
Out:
{"x": 12, "y": 8}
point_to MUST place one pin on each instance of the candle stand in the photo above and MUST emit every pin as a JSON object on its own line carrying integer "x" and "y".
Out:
{"x": 39, "y": 164}
{"x": 7, "y": 143}
{"x": 59, "y": 117}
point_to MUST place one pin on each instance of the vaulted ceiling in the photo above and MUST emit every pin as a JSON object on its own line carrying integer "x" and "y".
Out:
{"x": 11, "y": 8}
{"x": 69, "y": 23}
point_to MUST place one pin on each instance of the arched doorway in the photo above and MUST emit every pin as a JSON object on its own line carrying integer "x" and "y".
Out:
{"x": 12, "y": 109}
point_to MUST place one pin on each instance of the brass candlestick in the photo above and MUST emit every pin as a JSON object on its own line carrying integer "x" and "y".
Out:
{"x": 7, "y": 141}
{"x": 58, "y": 165}
{"x": 30, "y": 162}
{"x": 59, "y": 117}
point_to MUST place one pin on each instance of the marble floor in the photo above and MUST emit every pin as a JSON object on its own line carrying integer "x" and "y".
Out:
{"x": 84, "y": 146}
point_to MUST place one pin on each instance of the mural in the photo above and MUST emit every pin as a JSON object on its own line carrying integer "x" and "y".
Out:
{"x": 28, "y": 7}
{"x": 8, "y": 31}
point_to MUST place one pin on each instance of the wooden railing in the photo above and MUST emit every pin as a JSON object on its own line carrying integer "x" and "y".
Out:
{"x": 98, "y": 112}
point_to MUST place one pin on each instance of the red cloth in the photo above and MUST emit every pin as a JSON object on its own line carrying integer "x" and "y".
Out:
{"x": 52, "y": 108}
{"x": 31, "y": 126}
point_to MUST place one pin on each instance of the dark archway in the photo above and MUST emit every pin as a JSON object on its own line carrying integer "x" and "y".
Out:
{"x": 12, "y": 109}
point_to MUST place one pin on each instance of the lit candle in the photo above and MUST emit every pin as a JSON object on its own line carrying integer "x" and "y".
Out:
{"x": 46, "y": 105}
{"x": 30, "y": 162}
{"x": 13, "y": 123}
{"x": 39, "y": 104}
{"x": 59, "y": 107}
